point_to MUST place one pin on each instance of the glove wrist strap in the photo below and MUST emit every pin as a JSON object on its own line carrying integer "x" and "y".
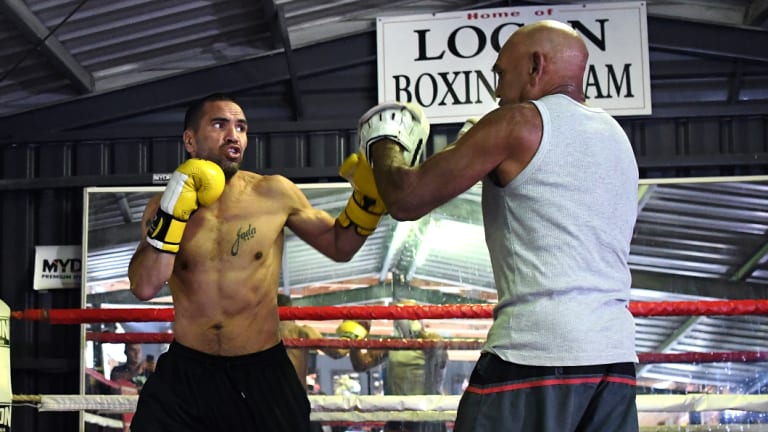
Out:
{"x": 355, "y": 213}
{"x": 165, "y": 231}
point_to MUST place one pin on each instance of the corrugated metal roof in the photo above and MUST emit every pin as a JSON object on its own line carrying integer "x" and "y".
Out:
{"x": 56, "y": 50}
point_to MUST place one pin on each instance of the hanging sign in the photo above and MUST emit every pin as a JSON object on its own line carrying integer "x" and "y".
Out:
{"x": 444, "y": 61}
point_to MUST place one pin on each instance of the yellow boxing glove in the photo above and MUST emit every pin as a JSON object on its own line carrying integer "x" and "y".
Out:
{"x": 196, "y": 181}
{"x": 350, "y": 329}
{"x": 365, "y": 207}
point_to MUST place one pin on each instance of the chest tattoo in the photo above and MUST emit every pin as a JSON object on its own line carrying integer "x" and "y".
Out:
{"x": 242, "y": 235}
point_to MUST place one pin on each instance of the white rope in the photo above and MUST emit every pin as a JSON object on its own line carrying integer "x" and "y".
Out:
{"x": 429, "y": 407}
{"x": 702, "y": 402}
{"x": 104, "y": 403}
{"x": 103, "y": 421}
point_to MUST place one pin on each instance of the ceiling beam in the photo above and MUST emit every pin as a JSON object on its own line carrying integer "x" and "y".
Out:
{"x": 703, "y": 287}
{"x": 665, "y": 34}
{"x": 38, "y": 34}
{"x": 279, "y": 29}
{"x": 707, "y": 39}
{"x": 751, "y": 263}
{"x": 108, "y": 237}
{"x": 183, "y": 88}
{"x": 383, "y": 293}
{"x": 757, "y": 13}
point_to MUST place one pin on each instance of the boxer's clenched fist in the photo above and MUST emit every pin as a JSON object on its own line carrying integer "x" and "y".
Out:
{"x": 351, "y": 329}
{"x": 365, "y": 207}
{"x": 195, "y": 182}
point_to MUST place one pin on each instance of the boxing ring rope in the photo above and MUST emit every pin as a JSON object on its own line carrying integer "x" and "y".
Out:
{"x": 351, "y": 408}
{"x": 321, "y": 313}
{"x": 451, "y": 344}
{"x": 425, "y": 407}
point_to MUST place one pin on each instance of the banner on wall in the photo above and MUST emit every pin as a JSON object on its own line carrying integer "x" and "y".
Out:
{"x": 57, "y": 267}
{"x": 444, "y": 61}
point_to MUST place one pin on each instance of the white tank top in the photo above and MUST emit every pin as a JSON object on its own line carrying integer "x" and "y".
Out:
{"x": 558, "y": 237}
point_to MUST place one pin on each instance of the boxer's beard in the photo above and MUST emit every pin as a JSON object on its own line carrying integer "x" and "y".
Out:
{"x": 230, "y": 169}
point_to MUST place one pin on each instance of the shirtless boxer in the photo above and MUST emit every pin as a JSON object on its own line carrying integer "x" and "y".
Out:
{"x": 227, "y": 368}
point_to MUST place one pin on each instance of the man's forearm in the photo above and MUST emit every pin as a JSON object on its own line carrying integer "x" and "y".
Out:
{"x": 149, "y": 270}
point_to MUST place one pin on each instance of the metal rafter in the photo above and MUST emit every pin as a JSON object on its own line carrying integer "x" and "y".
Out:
{"x": 281, "y": 40}
{"x": 708, "y": 40}
{"x": 28, "y": 24}
{"x": 715, "y": 288}
{"x": 757, "y": 13}
{"x": 337, "y": 54}
{"x": 381, "y": 293}
{"x": 185, "y": 87}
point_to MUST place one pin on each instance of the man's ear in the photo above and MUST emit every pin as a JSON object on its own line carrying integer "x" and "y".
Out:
{"x": 187, "y": 137}
{"x": 537, "y": 66}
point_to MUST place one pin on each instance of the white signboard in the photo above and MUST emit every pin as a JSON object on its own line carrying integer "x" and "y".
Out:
{"x": 444, "y": 61}
{"x": 57, "y": 267}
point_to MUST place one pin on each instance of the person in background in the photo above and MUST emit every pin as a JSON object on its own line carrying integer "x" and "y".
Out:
{"x": 300, "y": 356}
{"x": 131, "y": 376}
{"x": 135, "y": 370}
{"x": 407, "y": 372}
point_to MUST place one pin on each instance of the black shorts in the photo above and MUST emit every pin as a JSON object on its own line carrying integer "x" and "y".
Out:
{"x": 194, "y": 391}
{"x": 509, "y": 397}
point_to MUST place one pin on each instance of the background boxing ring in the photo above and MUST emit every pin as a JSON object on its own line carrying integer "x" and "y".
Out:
{"x": 376, "y": 409}
{"x": 696, "y": 240}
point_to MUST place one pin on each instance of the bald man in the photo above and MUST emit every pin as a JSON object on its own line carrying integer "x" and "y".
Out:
{"x": 559, "y": 206}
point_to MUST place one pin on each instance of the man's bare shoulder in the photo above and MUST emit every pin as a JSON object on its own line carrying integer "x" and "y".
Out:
{"x": 519, "y": 113}
{"x": 519, "y": 123}
{"x": 265, "y": 182}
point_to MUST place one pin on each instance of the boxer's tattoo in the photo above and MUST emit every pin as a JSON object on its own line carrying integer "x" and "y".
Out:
{"x": 243, "y": 235}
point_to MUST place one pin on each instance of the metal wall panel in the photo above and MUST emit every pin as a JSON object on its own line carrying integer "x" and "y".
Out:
{"x": 45, "y": 358}
{"x": 41, "y": 199}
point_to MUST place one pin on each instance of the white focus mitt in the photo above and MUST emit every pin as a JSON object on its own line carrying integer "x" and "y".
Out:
{"x": 467, "y": 126}
{"x": 404, "y": 123}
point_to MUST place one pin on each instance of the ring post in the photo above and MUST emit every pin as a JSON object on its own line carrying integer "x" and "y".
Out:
{"x": 6, "y": 395}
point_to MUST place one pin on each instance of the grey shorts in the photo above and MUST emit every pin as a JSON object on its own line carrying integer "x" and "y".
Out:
{"x": 509, "y": 397}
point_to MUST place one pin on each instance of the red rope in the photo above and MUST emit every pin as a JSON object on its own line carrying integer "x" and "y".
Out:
{"x": 453, "y": 344}
{"x": 98, "y": 376}
{"x": 322, "y": 313}
{"x": 704, "y": 357}
{"x": 82, "y": 316}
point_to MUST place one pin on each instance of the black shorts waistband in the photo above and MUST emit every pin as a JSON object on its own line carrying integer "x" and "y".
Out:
{"x": 268, "y": 356}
